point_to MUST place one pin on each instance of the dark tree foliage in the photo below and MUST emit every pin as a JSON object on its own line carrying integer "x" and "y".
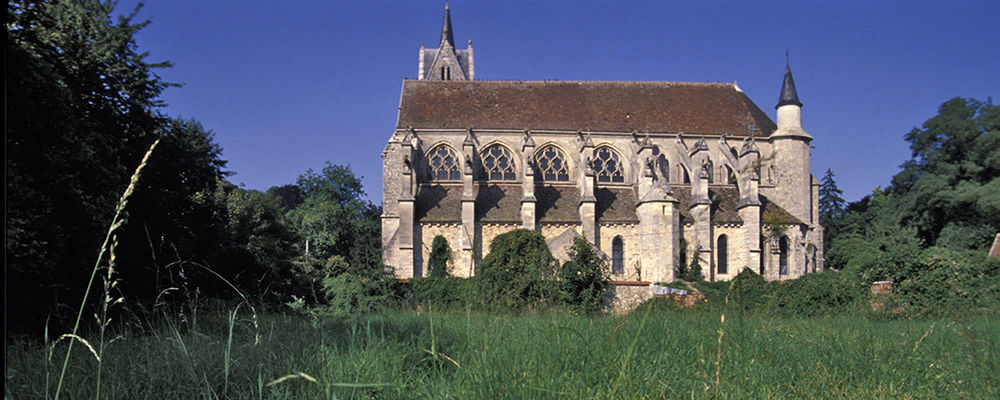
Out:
{"x": 584, "y": 278}
{"x": 953, "y": 177}
{"x": 80, "y": 114}
{"x": 259, "y": 247}
{"x": 440, "y": 255}
{"x": 831, "y": 204}
{"x": 516, "y": 271}
{"x": 175, "y": 217}
{"x": 289, "y": 196}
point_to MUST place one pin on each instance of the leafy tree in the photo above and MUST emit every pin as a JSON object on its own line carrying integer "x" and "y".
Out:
{"x": 290, "y": 196}
{"x": 440, "y": 255}
{"x": 81, "y": 112}
{"x": 516, "y": 271}
{"x": 259, "y": 246}
{"x": 584, "y": 278}
{"x": 953, "y": 176}
{"x": 333, "y": 222}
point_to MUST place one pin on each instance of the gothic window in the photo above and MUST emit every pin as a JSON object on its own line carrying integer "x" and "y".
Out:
{"x": 722, "y": 251}
{"x": 607, "y": 165}
{"x": 617, "y": 255}
{"x": 498, "y": 164}
{"x": 783, "y": 255}
{"x": 444, "y": 164}
{"x": 551, "y": 164}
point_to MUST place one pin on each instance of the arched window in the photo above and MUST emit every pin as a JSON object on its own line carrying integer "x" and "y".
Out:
{"x": 617, "y": 255}
{"x": 443, "y": 164}
{"x": 722, "y": 252}
{"x": 607, "y": 165}
{"x": 682, "y": 175}
{"x": 551, "y": 164}
{"x": 783, "y": 255}
{"x": 498, "y": 164}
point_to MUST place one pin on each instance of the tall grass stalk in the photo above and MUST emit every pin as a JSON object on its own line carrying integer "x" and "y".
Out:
{"x": 116, "y": 223}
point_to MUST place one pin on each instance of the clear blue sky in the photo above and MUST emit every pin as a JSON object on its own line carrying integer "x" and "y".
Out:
{"x": 289, "y": 85}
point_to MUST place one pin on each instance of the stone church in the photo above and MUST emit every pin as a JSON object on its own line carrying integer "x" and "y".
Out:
{"x": 653, "y": 174}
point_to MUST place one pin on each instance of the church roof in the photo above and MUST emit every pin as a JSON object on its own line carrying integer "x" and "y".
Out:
{"x": 668, "y": 107}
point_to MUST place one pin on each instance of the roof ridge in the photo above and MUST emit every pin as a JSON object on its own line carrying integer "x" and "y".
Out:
{"x": 500, "y": 81}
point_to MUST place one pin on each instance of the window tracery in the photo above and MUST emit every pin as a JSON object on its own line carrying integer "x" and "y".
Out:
{"x": 444, "y": 164}
{"x": 607, "y": 165}
{"x": 498, "y": 164}
{"x": 551, "y": 164}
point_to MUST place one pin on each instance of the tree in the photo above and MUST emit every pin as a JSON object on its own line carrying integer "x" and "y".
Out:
{"x": 340, "y": 233}
{"x": 440, "y": 255}
{"x": 831, "y": 205}
{"x": 584, "y": 278}
{"x": 81, "y": 112}
{"x": 953, "y": 176}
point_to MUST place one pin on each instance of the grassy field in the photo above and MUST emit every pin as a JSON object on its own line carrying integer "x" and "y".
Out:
{"x": 463, "y": 355}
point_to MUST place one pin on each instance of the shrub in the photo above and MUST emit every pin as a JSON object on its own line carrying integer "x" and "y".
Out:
{"x": 518, "y": 272}
{"x": 440, "y": 255}
{"x": 351, "y": 293}
{"x": 584, "y": 278}
{"x": 693, "y": 272}
{"x": 951, "y": 281}
{"x": 748, "y": 290}
{"x": 826, "y": 293}
{"x": 444, "y": 293}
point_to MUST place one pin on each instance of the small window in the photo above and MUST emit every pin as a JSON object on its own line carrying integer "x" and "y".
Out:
{"x": 498, "y": 164}
{"x": 551, "y": 164}
{"x": 444, "y": 165}
{"x": 607, "y": 165}
{"x": 722, "y": 252}
{"x": 783, "y": 255}
{"x": 617, "y": 256}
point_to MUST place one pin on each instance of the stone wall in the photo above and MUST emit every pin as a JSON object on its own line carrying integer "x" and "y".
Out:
{"x": 623, "y": 298}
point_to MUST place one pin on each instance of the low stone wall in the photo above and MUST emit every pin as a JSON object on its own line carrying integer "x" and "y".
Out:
{"x": 623, "y": 297}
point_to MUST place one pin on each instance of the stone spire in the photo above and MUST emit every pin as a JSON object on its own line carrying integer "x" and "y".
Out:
{"x": 788, "y": 93}
{"x": 446, "y": 36}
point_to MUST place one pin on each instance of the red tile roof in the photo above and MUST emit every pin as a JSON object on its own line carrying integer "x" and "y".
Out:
{"x": 667, "y": 107}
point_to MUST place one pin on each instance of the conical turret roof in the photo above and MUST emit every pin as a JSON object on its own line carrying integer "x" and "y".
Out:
{"x": 788, "y": 93}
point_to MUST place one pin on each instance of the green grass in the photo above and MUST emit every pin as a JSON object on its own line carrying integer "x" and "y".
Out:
{"x": 471, "y": 355}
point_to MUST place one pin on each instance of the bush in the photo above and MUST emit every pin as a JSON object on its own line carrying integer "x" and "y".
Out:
{"x": 950, "y": 281}
{"x": 693, "y": 272}
{"x": 445, "y": 293}
{"x": 584, "y": 278}
{"x": 440, "y": 255}
{"x": 748, "y": 290}
{"x": 351, "y": 293}
{"x": 519, "y": 271}
{"x": 826, "y": 293}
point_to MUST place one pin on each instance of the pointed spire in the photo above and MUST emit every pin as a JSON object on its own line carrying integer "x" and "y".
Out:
{"x": 446, "y": 36}
{"x": 788, "y": 93}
